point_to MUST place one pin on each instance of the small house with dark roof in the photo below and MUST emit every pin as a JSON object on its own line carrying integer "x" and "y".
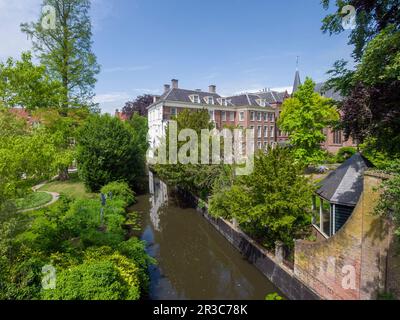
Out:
{"x": 338, "y": 195}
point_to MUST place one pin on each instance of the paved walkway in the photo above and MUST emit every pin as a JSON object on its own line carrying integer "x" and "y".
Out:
{"x": 55, "y": 196}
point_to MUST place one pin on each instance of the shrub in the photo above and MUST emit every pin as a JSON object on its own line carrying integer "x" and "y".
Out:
{"x": 345, "y": 153}
{"x": 93, "y": 280}
{"x": 120, "y": 191}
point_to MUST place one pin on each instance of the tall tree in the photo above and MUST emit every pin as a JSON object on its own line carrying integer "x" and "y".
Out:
{"x": 66, "y": 49}
{"x": 304, "y": 117}
{"x": 139, "y": 106}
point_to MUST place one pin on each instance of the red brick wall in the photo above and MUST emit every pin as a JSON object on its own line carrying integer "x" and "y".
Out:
{"x": 362, "y": 244}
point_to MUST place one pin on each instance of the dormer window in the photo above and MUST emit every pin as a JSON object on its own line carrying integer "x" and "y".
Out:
{"x": 262, "y": 102}
{"x": 195, "y": 98}
{"x": 209, "y": 100}
{"x": 223, "y": 101}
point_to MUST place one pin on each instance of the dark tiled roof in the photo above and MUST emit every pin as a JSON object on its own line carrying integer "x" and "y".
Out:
{"x": 345, "y": 185}
{"x": 273, "y": 96}
{"x": 246, "y": 99}
{"x": 182, "y": 95}
{"x": 332, "y": 94}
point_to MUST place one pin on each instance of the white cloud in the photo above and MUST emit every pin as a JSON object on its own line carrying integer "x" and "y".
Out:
{"x": 112, "y": 97}
{"x": 12, "y": 14}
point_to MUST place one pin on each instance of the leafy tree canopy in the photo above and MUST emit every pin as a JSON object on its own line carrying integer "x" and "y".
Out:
{"x": 272, "y": 203}
{"x": 26, "y": 85}
{"x": 372, "y": 16}
{"x": 109, "y": 150}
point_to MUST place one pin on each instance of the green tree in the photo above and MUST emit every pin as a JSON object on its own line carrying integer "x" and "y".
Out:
{"x": 196, "y": 178}
{"x": 24, "y": 84}
{"x": 304, "y": 117}
{"x": 109, "y": 150}
{"x": 141, "y": 127}
{"x": 66, "y": 49}
{"x": 272, "y": 203}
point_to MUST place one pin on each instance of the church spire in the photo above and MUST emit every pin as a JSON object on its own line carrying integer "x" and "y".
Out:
{"x": 297, "y": 80}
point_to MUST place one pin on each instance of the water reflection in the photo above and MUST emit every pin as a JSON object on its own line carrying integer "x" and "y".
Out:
{"x": 194, "y": 260}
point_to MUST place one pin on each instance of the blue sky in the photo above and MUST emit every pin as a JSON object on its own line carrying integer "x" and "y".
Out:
{"x": 239, "y": 45}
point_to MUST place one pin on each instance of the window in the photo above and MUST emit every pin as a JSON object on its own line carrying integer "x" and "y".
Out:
{"x": 271, "y": 117}
{"x": 173, "y": 112}
{"x": 259, "y": 131}
{"x": 232, "y": 116}
{"x": 337, "y": 137}
{"x": 212, "y": 115}
{"x": 265, "y": 132}
{"x": 252, "y": 116}
{"x": 272, "y": 132}
{"x": 195, "y": 98}
{"x": 265, "y": 116}
{"x": 241, "y": 116}
{"x": 224, "y": 102}
{"x": 265, "y": 145}
{"x": 325, "y": 217}
{"x": 210, "y": 100}
{"x": 223, "y": 116}
{"x": 259, "y": 145}
{"x": 262, "y": 102}
{"x": 259, "y": 116}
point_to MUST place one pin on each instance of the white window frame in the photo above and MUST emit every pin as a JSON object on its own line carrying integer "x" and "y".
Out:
{"x": 241, "y": 116}
{"x": 259, "y": 116}
{"x": 259, "y": 131}
{"x": 252, "y": 116}
{"x": 223, "y": 115}
{"x": 232, "y": 116}
{"x": 272, "y": 131}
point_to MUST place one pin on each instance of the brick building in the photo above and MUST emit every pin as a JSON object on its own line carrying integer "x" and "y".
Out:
{"x": 258, "y": 111}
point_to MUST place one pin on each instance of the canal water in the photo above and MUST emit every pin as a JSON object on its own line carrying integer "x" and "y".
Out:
{"x": 194, "y": 260}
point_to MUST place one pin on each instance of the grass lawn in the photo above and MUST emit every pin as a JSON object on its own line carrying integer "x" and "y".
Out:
{"x": 73, "y": 188}
{"x": 33, "y": 200}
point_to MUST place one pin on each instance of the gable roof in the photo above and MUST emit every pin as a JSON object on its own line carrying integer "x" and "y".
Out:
{"x": 345, "y": 185}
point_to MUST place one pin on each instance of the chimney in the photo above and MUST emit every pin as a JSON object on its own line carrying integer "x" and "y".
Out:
{"x": 167, "y": 87}
{"x": 212, "y": 89}
{"x": 175, "y": 84}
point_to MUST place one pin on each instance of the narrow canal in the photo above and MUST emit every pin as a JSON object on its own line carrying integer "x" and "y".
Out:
{"x": 194, "y": 260}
